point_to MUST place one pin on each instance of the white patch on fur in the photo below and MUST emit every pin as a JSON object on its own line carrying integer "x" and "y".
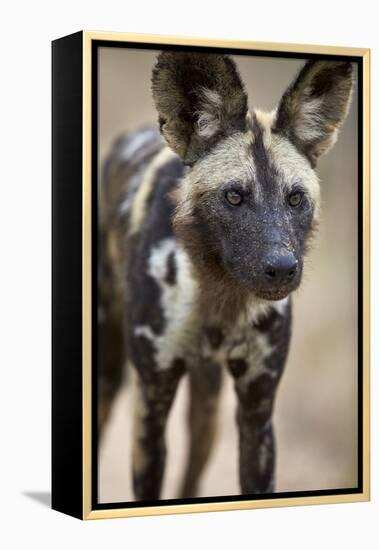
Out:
{"x": 265, "y": 120}
{"x": 127, "y": 201}
{"x": 208, "y": 121}
{"x": 261, "y": 309}
{"x": 177, "y": 303}
{"x": 256, "y": 310}
{"x": 262, "y": 350}
{"x": 146, "y": 332}
{"x": 137, "y": 143}
{"x": 242, "y": 342}
{"x": 281, "y": 305}
{"x": 159, "y": 257}
{"x": 246, "y": 343}
{"x": 218, "y": 356}
{"x": 253, "y": 346}
{"x": 259, "y": 351}
{"x": 140, "y": 199}
{"x": 239, "y": 351}
{"x": 125, "y": 205}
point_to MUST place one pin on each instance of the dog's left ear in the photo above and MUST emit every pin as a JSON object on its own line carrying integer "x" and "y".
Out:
{"x": 315, "y": 105}
{"x": 200, "y": 98}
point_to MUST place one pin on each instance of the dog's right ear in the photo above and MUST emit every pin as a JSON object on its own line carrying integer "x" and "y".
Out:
{"x": 200, "y": 98}
{"x": 315, "y": 105}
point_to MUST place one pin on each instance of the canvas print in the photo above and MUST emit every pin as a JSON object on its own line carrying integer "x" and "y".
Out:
{"x": 227, "y": 275}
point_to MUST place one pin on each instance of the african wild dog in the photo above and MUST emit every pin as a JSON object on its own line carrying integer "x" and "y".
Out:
{"x": 202, "y": 244}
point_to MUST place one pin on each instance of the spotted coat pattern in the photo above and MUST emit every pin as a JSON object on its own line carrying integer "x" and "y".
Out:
{"x": 181, "y": 284}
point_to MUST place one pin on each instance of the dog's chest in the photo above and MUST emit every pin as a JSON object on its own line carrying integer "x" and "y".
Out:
{"x": 189, "y": 334}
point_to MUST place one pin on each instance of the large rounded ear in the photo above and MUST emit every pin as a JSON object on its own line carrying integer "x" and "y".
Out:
{"x": 315, "y": 105}
{"x": 199, "y": 98}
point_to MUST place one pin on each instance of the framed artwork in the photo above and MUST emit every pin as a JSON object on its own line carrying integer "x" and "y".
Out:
{"x": 210, "y": 275}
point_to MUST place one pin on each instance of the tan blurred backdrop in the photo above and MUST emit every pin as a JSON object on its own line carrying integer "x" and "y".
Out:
{"x": 316, "y": 408}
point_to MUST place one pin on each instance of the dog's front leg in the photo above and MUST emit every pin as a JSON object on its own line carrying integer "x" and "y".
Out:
{"x": 256, "y": 437}
{"x": 256, "y": 382}
{"x": 154, "y": 397}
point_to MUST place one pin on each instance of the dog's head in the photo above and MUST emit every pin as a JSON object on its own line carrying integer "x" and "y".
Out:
{"x": 250, "y": 198}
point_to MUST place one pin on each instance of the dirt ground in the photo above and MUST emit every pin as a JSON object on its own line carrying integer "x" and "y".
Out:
{"x": 315, "y": 413}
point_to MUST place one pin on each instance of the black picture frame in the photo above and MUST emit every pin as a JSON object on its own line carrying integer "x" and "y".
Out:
{"x": 74, "y": 253}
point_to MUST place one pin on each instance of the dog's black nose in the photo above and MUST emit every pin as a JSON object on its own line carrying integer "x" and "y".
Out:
{"x": 281, "y": 267}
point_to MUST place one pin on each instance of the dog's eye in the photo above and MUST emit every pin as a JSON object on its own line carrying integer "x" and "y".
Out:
{"x": 295, "y": 198}
{"x": 233, "y": 197}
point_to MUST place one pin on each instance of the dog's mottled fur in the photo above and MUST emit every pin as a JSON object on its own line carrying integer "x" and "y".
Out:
{"x": 192, "y": 282}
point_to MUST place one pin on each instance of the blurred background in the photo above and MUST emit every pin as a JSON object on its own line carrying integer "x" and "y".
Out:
{"x": 316, "y": 408}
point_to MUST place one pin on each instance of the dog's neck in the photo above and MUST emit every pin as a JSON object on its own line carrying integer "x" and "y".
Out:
{"x": 222, "y": 300}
